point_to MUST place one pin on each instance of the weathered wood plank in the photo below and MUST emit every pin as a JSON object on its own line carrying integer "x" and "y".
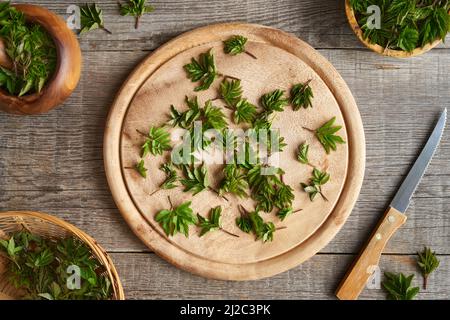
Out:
{"x": 321, "y": 23}
{"x": 94, "y": 212}
{"x": 146, "y": 276}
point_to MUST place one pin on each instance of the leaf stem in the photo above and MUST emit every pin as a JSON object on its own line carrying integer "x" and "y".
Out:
{"x": 228, "y": 232}
{"x": 227, "y": 76}
{"x": 281, "y": 228}
{"x": 104, "y": 29}
{"x": 425, "y": 281}
{"x": 310, "y": 130}
{"x": 170, "y": 201}
{"x": 251, "y": 55}
{"x": 217, "y": 192}
{"x": 136, "y": 24}
{"x": 323, "y": 196}
{"x": 156, "y": 191}
{"x": 141, "y": 133}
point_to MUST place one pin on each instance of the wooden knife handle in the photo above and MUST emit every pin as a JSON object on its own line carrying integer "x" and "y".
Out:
{"x": 362, "y": 268}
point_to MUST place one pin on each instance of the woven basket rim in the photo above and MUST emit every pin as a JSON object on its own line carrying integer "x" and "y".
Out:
{"x": 97, "y": 250}
{"x": 379, "y": 49}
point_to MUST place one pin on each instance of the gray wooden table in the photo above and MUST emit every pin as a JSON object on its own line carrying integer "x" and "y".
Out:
{"x": 53, "y": 163}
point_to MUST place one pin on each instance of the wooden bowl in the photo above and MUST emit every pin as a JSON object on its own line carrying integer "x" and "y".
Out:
{"x": 379, "y": 49}
{"x": 51, "y": 227}
{"x": 68, "y": 68}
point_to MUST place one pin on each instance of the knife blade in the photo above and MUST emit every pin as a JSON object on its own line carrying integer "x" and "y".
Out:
{"x": 367, "y": 261}
{"x": 404, "y": 194}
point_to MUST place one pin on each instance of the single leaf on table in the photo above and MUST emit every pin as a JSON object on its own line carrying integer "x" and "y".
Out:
{"x": 320, "y": 177}
{"x": 398, "y": 286}
{"x": 327, "y": 137}
{"x": 262, "y": 121}
{"x": 268, "y": 189}
{"x": 244, "y": 224}
{"x": 91, "y": 18}
{"x": 428, "y": 262}
{"x": 283, "y": 197}
{"x": 135, "y": 8}
{"x": 284, "y": 213}
{"x": 263, "y": 230}
{"x": 274, "y": 101}
{"x": 302, "y": 153}
{"x": 171, "y": 176}
{"x": 245, "y": 112}
{"x": 156, "y": 142}
{"x": 230, "y": 91}
{"x": 195, "y": 178}
{"x": 211, "y": 224}
{"x": 234, "y": 181}
{"x": 314, "y": 187}
{"x": 141, "y": 169}
{"x": 236, "y": 45}
{"x": 301, "y": 96}
{"x": 177, "y": 220}
{"x": 203, "y": 70}
{"x": 213, "y": 117}
{"x": 187, "y": 118}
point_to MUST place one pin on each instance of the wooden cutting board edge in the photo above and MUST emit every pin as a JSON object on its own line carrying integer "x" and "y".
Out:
{"x": 179, "y": 257}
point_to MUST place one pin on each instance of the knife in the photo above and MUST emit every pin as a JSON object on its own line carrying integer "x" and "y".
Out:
{"x": 362, "y": 268}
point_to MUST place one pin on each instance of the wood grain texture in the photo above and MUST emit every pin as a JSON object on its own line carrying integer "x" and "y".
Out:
{"x": 317, "y": 278}
{"x": 304, "y": 18}
{"x": 54, "y": 162}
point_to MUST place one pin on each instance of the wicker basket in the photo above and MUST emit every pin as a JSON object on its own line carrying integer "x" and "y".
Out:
{"x": 50, "y": 227}
{"x": 379, "y": 49}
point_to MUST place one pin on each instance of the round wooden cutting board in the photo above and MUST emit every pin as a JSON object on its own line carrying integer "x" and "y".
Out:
{"x": 282, "y": 61}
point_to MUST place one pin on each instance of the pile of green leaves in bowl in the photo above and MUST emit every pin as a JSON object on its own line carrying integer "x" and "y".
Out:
{"x": 31, "y": 51}
{"x": 54, "y": 269}
{"x": 405, "y": 24}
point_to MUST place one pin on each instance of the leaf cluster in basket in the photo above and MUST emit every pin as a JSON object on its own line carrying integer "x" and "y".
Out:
{"x": 246, "y": 174}
{"x": 47, "y": 269}
{"x": 405, "y": 24}
{"x": 31, "y": 51}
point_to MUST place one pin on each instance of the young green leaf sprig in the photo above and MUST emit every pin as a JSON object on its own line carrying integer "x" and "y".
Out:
{"x": 212, "y": 223}
{"x": 204, "y": 70}
{"x": 177, "y": 219}
{"x": 157, "y": 140}
{"x": 231, "y": 92}
{"x": 251, "y": 221}
{"x": 236, "y": 45}
{"x": 196, "y": 180}
{"x": 301, "y": 96}
{"x": 135, "y": 8}
{"x": 314, "y": 187}
{"x": 428, "y": 263}
{"x": 398, "y": 286}
{"x": 326, "y": 135}
{"x": 92, "y": 18}
{"x": 268, "y": 188}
